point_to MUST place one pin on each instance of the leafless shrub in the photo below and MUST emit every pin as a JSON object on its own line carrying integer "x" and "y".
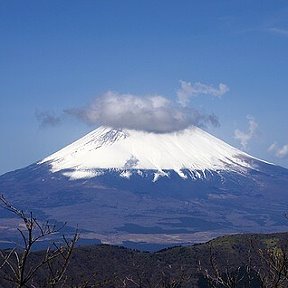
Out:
{"x": 21, "y": 269}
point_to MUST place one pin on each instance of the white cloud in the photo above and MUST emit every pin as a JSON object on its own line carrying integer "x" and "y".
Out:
{"x": 150, "y": 113}
{"x": 245, "y": 137}
{"x": 188, "y": 90}
{"x": 280, "y": 152}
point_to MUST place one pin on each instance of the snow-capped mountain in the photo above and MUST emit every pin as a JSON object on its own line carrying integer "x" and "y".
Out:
{"x": 122, "y": 185}
{"x": 128, "y": 151}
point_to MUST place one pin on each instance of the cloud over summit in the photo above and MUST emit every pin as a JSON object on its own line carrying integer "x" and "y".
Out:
{"x": 149, "y": 113}
{"x": 152, "y": 113}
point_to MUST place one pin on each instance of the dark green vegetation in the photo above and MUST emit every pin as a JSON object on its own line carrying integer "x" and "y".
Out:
{"x": 252, "y": 260}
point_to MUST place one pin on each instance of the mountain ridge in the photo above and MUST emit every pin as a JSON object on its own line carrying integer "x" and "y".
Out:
{"x": 113, "y": 264}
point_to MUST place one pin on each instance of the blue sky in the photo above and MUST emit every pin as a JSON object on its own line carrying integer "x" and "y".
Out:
{"x": 59, "y": 56}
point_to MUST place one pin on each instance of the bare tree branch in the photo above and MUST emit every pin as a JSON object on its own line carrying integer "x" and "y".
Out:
{"x": 23, "y": 269}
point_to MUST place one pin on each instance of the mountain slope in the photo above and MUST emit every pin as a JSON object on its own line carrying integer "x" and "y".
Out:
{"x": 125, "y": 185}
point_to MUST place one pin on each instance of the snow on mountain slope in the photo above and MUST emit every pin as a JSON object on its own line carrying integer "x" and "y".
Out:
{"x": 106, "y": 148}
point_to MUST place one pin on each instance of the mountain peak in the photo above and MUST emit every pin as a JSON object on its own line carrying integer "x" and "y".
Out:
{"x": 125, "y": 150}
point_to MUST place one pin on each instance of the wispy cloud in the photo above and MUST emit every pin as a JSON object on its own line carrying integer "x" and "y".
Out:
{"x": 272, "y": 147}
{"x": 279, "y": 31}
{"x": 280, "y": 152}
{"x": 245, "y": 137}
{"x": 46, "y": 119}
{"x": 150, "y": 113}
{"x": 188, "y": 90}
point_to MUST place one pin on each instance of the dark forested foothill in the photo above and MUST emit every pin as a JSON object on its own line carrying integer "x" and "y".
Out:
{"x": 248, "y": 260}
